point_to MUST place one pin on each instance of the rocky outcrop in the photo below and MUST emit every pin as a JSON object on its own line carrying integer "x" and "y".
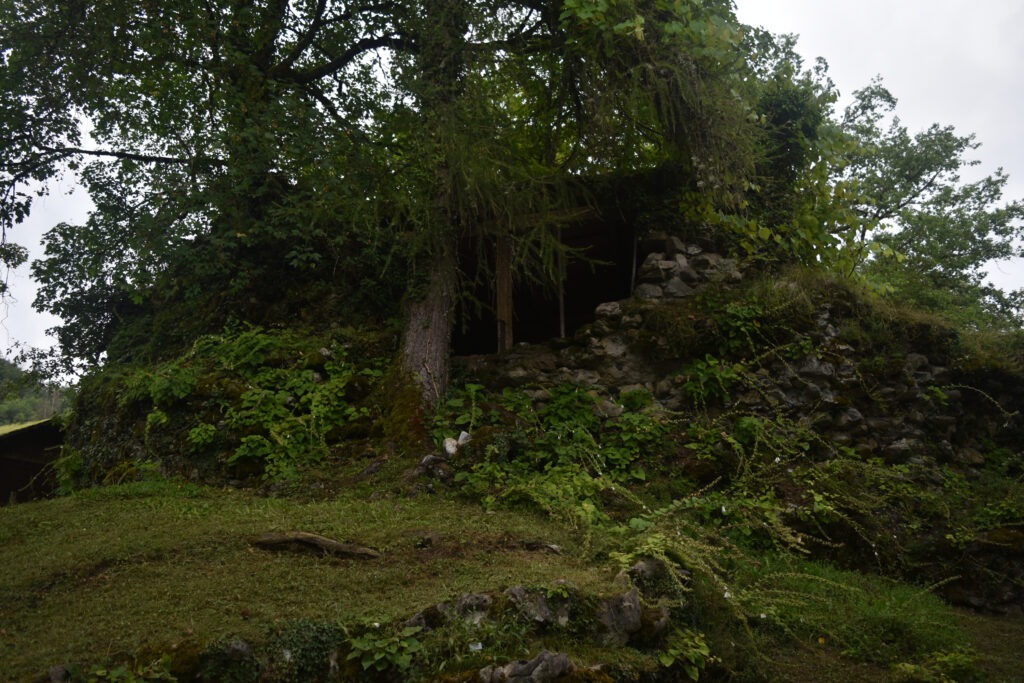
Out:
{"x": 544, "y": 668}
{"x": 472, "y": 619}
{"x": 912, "y": 405}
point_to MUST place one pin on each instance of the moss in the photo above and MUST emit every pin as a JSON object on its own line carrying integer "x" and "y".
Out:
{"x": 404, "y": 421}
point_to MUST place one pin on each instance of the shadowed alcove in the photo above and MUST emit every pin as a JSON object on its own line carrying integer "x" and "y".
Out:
{"x": 602, "y": 271}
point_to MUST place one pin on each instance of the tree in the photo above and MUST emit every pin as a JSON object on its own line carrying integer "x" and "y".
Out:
{"x": 23, "y": 398}
{"x": 931, "y": 233}
{"x": 242, "y": 140}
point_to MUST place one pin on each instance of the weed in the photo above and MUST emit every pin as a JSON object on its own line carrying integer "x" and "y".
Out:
{"x": 253, "y": 401}
{"x": 869, "y": 618}
{"x": 129, "y": 673}
{"x": 379, "y": 652}
{"x": 687, "y": 649}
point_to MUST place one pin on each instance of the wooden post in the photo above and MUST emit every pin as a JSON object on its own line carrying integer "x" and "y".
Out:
{"x": 503, "y": 291}
{"x": 561, "y": 287}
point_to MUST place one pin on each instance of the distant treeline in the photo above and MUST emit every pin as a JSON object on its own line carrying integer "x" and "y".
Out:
{"x": 25, "y": 399}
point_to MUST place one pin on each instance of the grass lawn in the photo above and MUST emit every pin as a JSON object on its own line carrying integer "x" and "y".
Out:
{"x": 157, "y": 567}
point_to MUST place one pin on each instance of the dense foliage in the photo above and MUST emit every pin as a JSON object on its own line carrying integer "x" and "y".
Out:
{"x": 337, "y": 143}
{"x": 360, "y": 154}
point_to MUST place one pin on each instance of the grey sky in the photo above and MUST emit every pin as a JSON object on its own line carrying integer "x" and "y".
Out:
{"x": 948, "y": 62}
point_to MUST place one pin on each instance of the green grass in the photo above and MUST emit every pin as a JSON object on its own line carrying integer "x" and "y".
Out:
{"x": 6, "y": 429}
{"x": 157, "y": 567}
{"x": 868, "y": 618}
{"x": 135, "y": 571}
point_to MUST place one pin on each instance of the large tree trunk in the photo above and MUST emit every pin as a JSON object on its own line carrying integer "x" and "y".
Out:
{"x": 427, "y": 340}
{"x": 428, "y": 330}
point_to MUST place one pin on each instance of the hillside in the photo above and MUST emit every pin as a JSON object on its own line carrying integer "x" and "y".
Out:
{"x": 733, "y": 475}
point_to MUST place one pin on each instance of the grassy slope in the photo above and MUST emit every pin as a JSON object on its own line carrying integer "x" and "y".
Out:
{"x": 5, "y": 429}
{"x": 148, "y": 568}
{"x": 151, "y": 567}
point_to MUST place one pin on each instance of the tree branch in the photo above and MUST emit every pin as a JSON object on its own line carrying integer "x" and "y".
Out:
{"x": 130, "y": 156}
{"x": 347, "y": 57}
{"x": 304, "y": 41}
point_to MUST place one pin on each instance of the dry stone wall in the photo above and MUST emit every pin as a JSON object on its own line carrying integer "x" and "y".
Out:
{"x": 914, "y": 410}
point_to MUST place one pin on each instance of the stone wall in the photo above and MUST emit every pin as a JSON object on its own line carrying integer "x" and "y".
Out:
{"x": 913, "y": 409}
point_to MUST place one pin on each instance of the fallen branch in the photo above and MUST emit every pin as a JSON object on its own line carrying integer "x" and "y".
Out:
{"x": 302, "y": 541}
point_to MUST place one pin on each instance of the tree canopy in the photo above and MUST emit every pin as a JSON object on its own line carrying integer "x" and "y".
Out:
{"x": 250, "y": 159}
{"x": 922, "y": 230}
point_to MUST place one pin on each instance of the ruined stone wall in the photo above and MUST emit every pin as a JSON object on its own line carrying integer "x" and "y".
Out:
{"x": 920, "y": 408}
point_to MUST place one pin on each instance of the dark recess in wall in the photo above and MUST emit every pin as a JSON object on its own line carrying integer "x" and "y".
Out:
{"x": 604, "y": 273}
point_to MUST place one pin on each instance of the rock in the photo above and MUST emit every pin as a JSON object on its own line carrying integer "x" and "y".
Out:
{"x": 651, "y": 577}
{"x": 631, "y": 321}
{"x": 677, "y": 288}
{"x": 654, "y": 626}
{"x": 538, "y": 395}
{"x": 538, "y": 608}
{"x": 517, "y": 373}
{"x": 970, "y": 456}
{"x": 688, "y": 273}
{"x": 542, "y": 546}
{"x": 611, "y": 309}
{"x": 606, "y": 408}
{"x": 613, "y": 347}
{"x": 815, "y": 367}
{"x": 451, "y": 447}
{"x": 851, "y": 416}
{"x": 544, "y": 668}
{"x": 650, "y": 271}
{"x": 464, "y": 438}
{"x": 674, "y": 246}
{"x": 371, "y": 469}
{"x": 433, "y": 460}
{"x": 621, "y": 617}
{"x": 473, "y": 607}
{"x": 648, "y": 291}
{"x": 706, "y": 262}
{"x": 901, "y": 449}
{"x": 429, "y": 618}
{"x": 586, "y": 377}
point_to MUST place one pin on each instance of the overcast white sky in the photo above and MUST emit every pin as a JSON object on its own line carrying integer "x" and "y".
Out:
{"x": 948, "y": 62}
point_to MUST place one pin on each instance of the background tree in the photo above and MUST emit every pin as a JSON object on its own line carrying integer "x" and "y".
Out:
{"x": 23, "y": 398}
{"x": 930, "y": 232}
